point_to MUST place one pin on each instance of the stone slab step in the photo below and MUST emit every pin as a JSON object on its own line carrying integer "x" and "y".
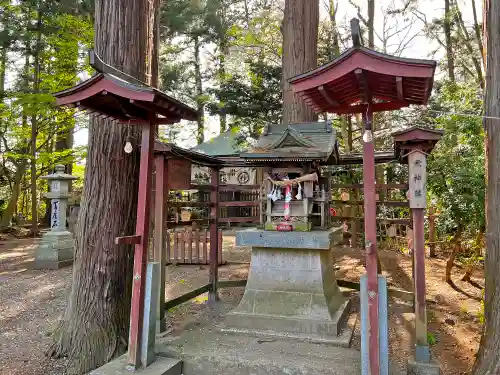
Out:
{"x": 119, "y": 366}
{"x": 216, "y": 353}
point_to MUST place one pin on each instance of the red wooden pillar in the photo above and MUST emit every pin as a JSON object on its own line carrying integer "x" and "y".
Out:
{"x": 371, "y": 240}
{"x": 160, "y": 233}
{"x": 214, "y": 238}
{"x": 141, "y": 245}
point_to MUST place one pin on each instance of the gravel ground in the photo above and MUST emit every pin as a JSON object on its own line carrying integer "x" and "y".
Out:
{"x": 31, "y": 302}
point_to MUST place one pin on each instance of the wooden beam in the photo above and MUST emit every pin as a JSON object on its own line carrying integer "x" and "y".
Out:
{"x": 399, "y": 87}
{"x": 214, "y": 238}
{"x": 160, "y": 232}
{"x": 356, "y": 33}
{"x": 101, "y": 67}
{"x": 141, "y": 249}
{"x": 363, "y": 85}
{"x": 327, "y": 96}
{"x": 361, "y": 108}
{"x": 248, "y": 219}
{"x": 186, "y": 297}
{"x": 128, "y": 240}
{"x": 239, "y": 204}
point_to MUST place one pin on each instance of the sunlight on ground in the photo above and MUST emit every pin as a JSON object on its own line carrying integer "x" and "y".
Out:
{"x": 12, "y": 254}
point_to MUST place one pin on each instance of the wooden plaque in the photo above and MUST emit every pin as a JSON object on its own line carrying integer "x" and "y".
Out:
{"x": 418, "y": 177}
{"x": 179, "y": 174}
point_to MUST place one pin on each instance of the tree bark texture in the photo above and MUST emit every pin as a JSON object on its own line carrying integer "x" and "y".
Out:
{"x": 34, "y": 127}
{"x": 464, "y": 33}
{"x": 477, "y": 31}
{"x": 300, "y": 41}
{"x": 95, "y": 325}
{"x": 447, "y": 35}
{"x": 371, "y": 27}
{"x": 200, "y": 132}
{"x": 488, "y": 360}
{"x": 16, "y": 188}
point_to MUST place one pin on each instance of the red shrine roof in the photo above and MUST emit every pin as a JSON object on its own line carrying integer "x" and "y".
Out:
{"x": 111, "y": 96}
{"x": 360, "y": 76}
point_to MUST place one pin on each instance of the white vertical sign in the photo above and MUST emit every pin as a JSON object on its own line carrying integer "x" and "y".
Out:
{"x": 417, "y": 163}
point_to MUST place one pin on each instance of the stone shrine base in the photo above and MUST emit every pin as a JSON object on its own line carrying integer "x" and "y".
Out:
{"x": 291, "y": 290}
{"x": 56, "y": 250}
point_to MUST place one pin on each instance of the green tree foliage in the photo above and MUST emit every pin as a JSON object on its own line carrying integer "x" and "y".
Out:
{"x": 456, "y": 170}
{"x": 251, "y": 100}
{"x": 45, "y": 56}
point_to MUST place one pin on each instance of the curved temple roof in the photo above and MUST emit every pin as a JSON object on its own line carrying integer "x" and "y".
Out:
{"x": 111, "y": 96}
{"x": 360, "y": 76}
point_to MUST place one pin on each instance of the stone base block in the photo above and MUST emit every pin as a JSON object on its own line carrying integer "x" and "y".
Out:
{"x": 120, "y": 366}
{"x": 419, "y": 368}
{"x": 315, "y": 330}
{"x": 56, "y": 250}
{"x": 214, "y": 353}
{"x": 291, "y": 288}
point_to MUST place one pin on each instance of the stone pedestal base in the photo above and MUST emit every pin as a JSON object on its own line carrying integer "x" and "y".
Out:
{"x": 420, "y": 368}
{"x": 291, "y": 289}
{"x": 55, "y": 250}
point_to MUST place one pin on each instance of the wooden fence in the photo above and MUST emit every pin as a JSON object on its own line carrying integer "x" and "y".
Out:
{"x": 187, "y": 246}
{"x": 393, "y": 214}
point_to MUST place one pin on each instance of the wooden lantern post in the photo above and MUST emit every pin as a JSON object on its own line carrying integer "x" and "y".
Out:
{"x": 417, "y": 163}
{"x": 414, "y": 145}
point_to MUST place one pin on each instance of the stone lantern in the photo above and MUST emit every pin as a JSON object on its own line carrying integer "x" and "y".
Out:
{"x": 56, "y": 249}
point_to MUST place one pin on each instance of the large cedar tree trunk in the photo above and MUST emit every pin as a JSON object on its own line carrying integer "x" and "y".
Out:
{"x": 488, "y": 360}
{"x": 300, "y": 42}
{"x": 95, "y": 326}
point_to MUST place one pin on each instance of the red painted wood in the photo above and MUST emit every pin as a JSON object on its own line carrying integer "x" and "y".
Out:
{"x": 371, "y": 248}
{"x": 189, "y": 238}
{"x": 238, "y": 204}
{"x": 197, "y": 245}
{"x": 99, "y": 85}
{"x": 417, "y": 134}
{"x": 205, "y": 247}
{"x": 238, "y": 187}
{"x": 128, "y": 240}
{"x": 141, "y": 249}
{"x": 182, "y": 240}
{"x": 180, "y": 174}
{"x": 219, "y": 252}
{"x": 214, "y": 238}
{"x": 239, "y": 219}
{"x": 362, "y": 108}
{"x": 419, "y": 249}
{"x": 176, "y": 246}
{"x": 169, "y": 248}
{"x": 361, "y": 60}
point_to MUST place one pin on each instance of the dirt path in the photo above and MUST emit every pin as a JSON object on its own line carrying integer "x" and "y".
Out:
{"x": 31, "y": 302}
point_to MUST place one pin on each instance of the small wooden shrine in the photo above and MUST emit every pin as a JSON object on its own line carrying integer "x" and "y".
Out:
{"x": 296, "y": 190}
